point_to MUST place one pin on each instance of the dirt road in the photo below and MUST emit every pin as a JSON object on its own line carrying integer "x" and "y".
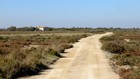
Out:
{"x": 85, "y": 60}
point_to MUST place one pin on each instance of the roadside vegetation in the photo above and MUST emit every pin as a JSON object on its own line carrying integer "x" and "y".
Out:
{"x": 27, "y": 55}
{"x": 124, "y": 46}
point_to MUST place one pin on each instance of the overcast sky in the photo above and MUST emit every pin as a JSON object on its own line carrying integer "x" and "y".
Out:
{"x": 70, "y": 13}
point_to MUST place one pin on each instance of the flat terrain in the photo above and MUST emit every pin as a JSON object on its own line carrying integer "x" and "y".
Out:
{"x": 42, "y": 34}
{"x": 85, "y": 60}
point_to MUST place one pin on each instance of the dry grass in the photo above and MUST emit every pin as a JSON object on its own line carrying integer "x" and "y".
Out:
{"x": 124, "y": 53}
{"x": 16, "y": 60}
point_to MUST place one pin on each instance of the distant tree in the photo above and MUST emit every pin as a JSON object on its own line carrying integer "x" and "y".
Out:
{"x": 49, "y": 29}
{"x": 33, "y": 28}
{"x": 12, "y": 28}
{"x": 27, "y": 29}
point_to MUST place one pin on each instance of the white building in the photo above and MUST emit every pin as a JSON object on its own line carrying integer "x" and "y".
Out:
{"x": 41, "y": 28}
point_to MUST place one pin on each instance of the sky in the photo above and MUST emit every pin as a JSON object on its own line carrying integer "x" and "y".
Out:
{"x": 70, "y": 13}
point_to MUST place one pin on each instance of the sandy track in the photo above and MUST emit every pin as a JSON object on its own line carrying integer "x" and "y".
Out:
{"x": 85, "y": 60}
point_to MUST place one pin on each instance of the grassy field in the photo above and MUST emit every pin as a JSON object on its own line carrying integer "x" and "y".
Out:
{"x": 125, "y": 48}
{"x": 28, "y": 54}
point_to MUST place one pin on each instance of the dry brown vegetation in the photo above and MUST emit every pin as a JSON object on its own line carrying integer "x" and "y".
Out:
{"x": 126, "y": 54}
{"x": 27, "y": 55}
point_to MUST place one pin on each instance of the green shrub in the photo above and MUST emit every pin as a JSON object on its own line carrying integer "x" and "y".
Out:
{"x": 128, "y": 60}
{"x": 62, "y": 47}
{"x": 8, "y": 68}
{"x": 125, "y": 53}
{"x": 53, "y": 52}
{"x": 18, "y": 58}
{"x": 113, "y": 47}
{"x": 109, "y": 38}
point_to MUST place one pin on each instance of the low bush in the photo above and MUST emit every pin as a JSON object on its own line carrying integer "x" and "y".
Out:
{"x": 17, "y": 60}
{"x": 125, "y": 53}
{"x": 126, "y": 59}
{"x": 109, "y": 38}
{"x": 114, "y": 47}
{"x": 63, "y": 46}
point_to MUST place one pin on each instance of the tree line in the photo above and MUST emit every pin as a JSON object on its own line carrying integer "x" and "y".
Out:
{"x": 14, "y": 28}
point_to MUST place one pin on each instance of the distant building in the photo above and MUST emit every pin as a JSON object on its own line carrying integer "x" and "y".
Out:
{"x": 41, "y": 28}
